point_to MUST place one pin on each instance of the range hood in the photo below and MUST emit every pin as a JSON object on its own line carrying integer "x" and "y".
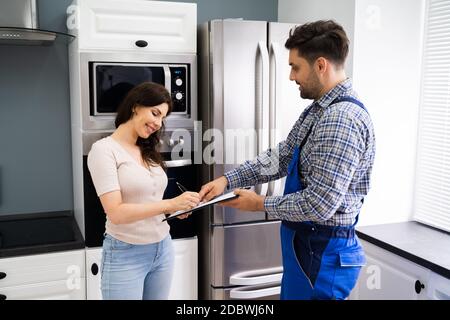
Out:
{"x": 19, "y": 24}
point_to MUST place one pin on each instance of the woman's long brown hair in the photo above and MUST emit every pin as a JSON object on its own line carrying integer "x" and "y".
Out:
{"x": 147, "y": 94}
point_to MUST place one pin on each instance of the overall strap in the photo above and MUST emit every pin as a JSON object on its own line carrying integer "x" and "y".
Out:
{"x": 337, "y": 100}
{"x": 305, "y": 138}
{"x": 349, "y": 99}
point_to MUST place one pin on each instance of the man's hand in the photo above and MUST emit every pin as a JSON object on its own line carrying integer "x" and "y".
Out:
{"x": 213, "y": 189}
{"x": 248, "y": 200}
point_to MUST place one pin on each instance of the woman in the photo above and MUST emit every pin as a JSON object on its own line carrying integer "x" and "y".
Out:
{"x": 127, "y": 171}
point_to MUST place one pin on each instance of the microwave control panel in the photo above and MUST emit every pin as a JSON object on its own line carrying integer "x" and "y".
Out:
{"x": 180, "y": 88}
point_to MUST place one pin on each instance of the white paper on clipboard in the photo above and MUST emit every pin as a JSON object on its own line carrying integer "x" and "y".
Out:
{"x": 224, "y": 197}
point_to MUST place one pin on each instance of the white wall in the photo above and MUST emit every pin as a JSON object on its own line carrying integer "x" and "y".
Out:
{"x": 387, "y": 50}
{"x": 387, "y": 73}
{"x": 302, "y": 11}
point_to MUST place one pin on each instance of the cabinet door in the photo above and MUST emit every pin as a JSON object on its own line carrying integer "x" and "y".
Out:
{"x": 185, "y": 277}
{"x": 40, "y": 268}
{"x": 184, "y": 282}
{"x": 438, "y": 287}
{"x": 112, "y": 24}
{"x": 93, "y": 273}
{"x": 389, "y": 277}
{"x": 56, "y": 290}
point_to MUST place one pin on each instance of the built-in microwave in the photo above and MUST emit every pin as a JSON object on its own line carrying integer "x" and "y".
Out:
{"x": 106, "y": 78}
{"x": 110, "y": 83}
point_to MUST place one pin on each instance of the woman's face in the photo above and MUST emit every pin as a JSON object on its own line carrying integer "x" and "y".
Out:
{"x": 148, "y": 120}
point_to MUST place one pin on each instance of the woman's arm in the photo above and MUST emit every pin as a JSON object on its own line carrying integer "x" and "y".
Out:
{"x": 122, "y": 213}
{"x": 103, "y": 168}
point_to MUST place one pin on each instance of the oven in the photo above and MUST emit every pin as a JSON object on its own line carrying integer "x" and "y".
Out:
{"x": 110, "y": 75}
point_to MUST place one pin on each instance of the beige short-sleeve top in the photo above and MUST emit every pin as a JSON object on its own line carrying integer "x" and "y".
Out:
{"x": 112, "y": 168}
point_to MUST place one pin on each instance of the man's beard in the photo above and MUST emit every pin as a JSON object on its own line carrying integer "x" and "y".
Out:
{"x": 313, "y": 88}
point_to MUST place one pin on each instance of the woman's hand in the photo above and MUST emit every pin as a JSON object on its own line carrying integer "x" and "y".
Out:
{"x": 185, "y": 201}
{"x": 184, "y": 216}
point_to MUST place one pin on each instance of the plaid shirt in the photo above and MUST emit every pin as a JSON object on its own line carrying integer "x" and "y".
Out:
{"x": 335, "y": 163}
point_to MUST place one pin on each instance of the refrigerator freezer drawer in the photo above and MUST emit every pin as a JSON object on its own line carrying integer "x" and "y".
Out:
{"x": 245, "y": 250}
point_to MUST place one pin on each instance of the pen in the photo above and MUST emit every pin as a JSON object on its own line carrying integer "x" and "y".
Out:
{"x": 181, "y": 187}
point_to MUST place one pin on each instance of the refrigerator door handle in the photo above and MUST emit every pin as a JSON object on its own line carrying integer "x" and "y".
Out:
{"x": 273, "y": 102}
{"x": 257, "y": 277}
{"x": 241, "y": 293}
{"x": 261, "y": 105}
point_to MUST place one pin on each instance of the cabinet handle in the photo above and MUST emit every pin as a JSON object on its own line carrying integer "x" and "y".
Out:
{"x": 2, "y": 297}
{"x": 2, "y": 275}
{"x": 141, "y": 43}
{"x": 94, "y": 269}
{"x": 418, "y": 286}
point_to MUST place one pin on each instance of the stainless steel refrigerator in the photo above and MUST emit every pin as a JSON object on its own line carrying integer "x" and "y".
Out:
{"x": 247, "y": 98}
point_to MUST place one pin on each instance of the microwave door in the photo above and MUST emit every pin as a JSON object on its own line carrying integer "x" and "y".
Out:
{"x": 113, "y": 81}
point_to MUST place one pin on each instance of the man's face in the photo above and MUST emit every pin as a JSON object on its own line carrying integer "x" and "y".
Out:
{"x": 304, "y": 75}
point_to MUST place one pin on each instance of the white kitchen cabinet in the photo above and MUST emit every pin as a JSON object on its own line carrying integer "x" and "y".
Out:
{"x": 118, "y": 25}
{"x": 388, "y": 276}
{"x": 59, "y": 275}
{"x": 184, "y": 283}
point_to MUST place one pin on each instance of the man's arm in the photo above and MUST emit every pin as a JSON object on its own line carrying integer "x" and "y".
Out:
{"x": 338, "y": 147}
{"x": 267, "y": 166}
{"x": 270, "y": 165}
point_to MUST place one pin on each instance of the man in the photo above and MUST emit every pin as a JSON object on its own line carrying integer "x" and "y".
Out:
{"x": 327, "y": 158}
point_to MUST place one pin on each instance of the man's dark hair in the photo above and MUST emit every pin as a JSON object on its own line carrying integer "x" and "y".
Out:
{"x": 323, "y": 38}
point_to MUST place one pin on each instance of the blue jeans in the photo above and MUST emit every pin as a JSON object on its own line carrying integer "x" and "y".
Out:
{"x": 136, "y": 272}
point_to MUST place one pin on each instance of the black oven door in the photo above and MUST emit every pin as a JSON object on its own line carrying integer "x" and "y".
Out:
{"x": 94, "y": 215}
{"x": 187, "y": 174}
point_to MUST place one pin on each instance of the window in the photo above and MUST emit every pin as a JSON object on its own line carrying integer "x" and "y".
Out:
{"x": 432, "y": 188}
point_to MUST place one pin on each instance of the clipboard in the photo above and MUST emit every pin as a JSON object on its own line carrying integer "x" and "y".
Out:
{"x": 218, "y": 199}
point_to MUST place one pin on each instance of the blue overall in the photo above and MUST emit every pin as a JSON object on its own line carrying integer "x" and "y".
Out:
{"x": 319, "y": 262}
